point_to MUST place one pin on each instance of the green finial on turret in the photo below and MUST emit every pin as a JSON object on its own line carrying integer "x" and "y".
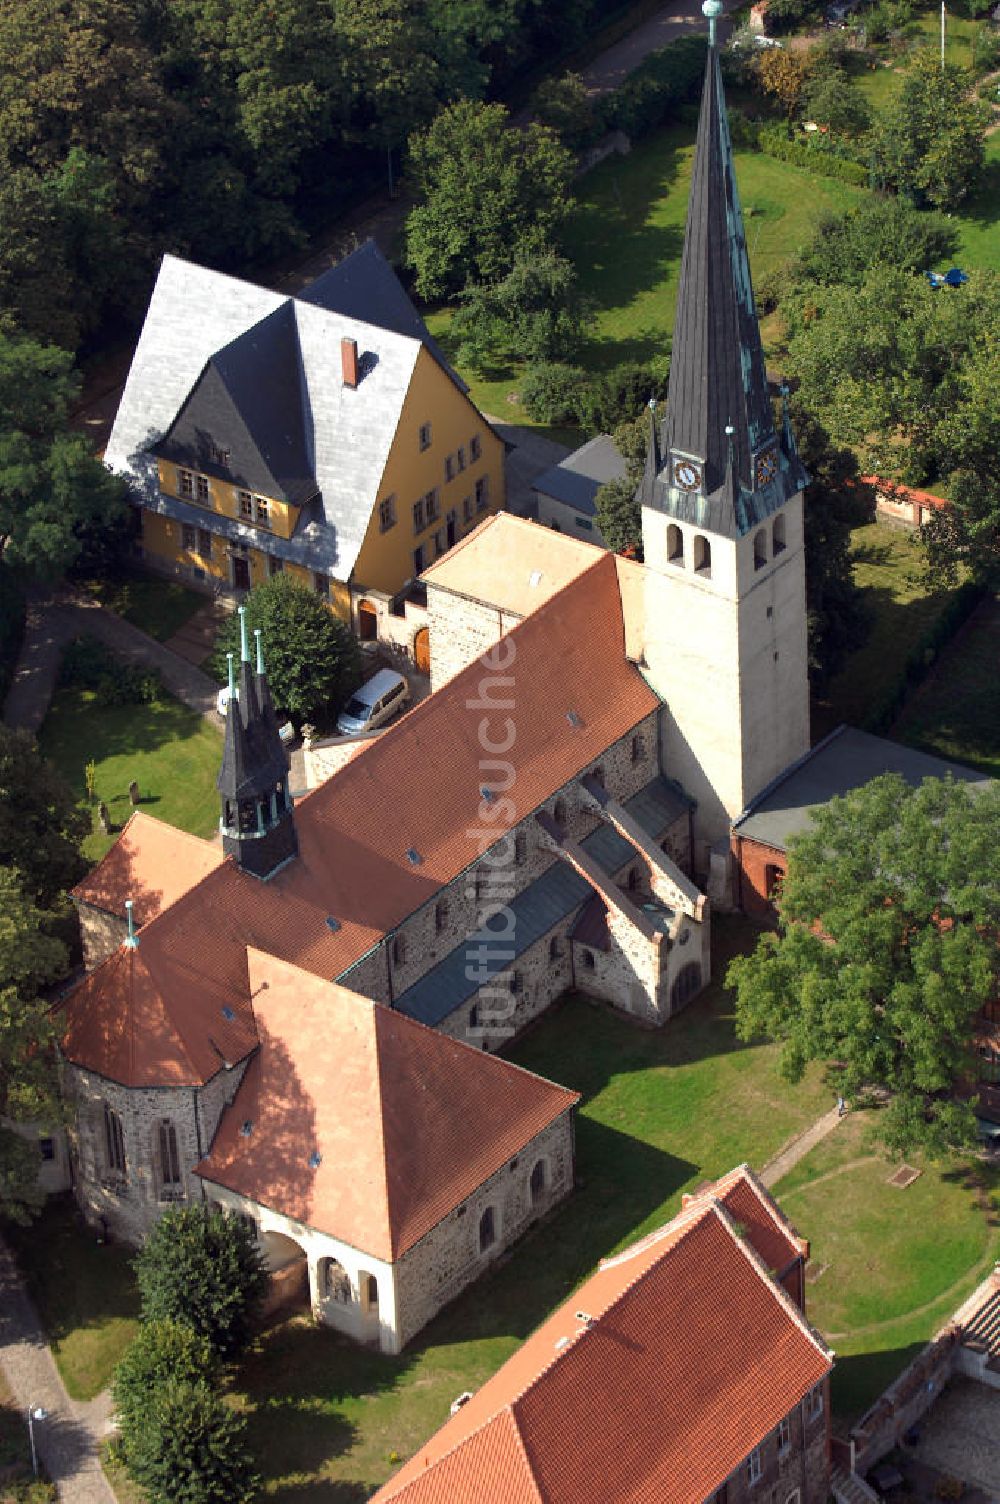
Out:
{"x": 260, "y": 650}
{"x": 232, "y": 676}
{"x": 244, "y": 644}
{"x": 712, "y": 9}
{"x": 131, "y": 940}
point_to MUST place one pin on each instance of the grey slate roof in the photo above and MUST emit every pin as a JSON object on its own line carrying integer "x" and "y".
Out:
{"x": 249, "y": 392}
{"x": 576, "y": 480}
{"x": 545, "y": 903}
{"x": 254, "y": 761}
{"x": 199, "y": 317}
{"x": 845, "y": 760}
{"x": 717, "y": 375}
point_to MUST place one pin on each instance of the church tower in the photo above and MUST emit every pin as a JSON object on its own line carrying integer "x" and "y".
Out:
{"x": 724, "y": 607}
{"x": 257, "y": 824}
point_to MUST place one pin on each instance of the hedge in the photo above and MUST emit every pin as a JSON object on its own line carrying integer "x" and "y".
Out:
{"x": 656, "y": 91}
{"x": 923, "y": 655}
{"x": 813, "y": 153}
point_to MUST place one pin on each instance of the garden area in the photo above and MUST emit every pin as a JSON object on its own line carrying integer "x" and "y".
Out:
{"x": 663, "y": 1111}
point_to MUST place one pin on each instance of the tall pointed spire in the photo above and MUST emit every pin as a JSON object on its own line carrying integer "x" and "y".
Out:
{"x": 717, "y": 376}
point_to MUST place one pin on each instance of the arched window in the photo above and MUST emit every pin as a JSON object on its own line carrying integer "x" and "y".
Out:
{"x": 773, "y": 875}
{"x": 487, "y": 1230}
{"x": 398, "y": 950}
{"x": 675, "y": 544}
{"x": 520, "y": 846}
{"x": 686, "y": 984}
{"x": 474, "y": 1016}
{"x": 560, "y": 812}
{"x": 759, "y": 549}
{"x": 369, "y": 1293}
{"x": 638, "y": 750}
{"x": 702, "y": 554}
{"x": 536, "y": 1185}
{"x": 440, "y": 914}
{"x": 778, "y": 534}
{"x": 335, "y": 1282}
{"x": 555, "y": 948}
{"x": 114, "y": 1141}
{"x": 597, "y": 774}
{"x": 170, "y": 1163}
{"x": 587, "y": 957}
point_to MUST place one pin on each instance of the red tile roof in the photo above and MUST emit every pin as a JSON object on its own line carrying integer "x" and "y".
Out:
{"x": 683, "y": 1357}
{"x": 407, "y": 1122}
{"x": 416, "y": 788}
{"x": 756, "y": 1212}
{"x": 152, "y": 863}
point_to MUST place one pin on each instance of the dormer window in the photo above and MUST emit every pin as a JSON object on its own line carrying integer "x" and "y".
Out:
{"x": 201, "y": 489}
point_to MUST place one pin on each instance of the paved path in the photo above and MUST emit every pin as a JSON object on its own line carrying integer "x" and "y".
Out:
{"x": 68, "y": 1439}
{"x": 798, "y": 1148}
{"x": 51, "y": 624}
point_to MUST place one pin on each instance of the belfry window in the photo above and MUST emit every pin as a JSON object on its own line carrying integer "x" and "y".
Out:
{"x": 675, "y": 544}
{"x": 759, "y": 549}
{"x": 702, "y": 555}
{"x": 778, "y": 535}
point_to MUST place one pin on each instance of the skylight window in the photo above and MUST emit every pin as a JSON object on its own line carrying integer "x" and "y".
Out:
{"x": 315, "y": 1160}
{"x": 535, "y": 578}
{"x": 332, "y": 924}
{"x": 486, "y": 793}
{"x": 228, "y": 1014}
{"x": 246, "y": 1128}
{"x": 573, "y": 718}
{"x": 413, "y": 857}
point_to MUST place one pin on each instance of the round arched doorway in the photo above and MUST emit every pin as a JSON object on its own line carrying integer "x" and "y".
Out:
{"x": 422, "y": 651}
{"x": 367, "y": 622}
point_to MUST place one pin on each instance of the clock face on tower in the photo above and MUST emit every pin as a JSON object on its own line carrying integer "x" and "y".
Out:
{"x": 766, "y": 468}
{"x": 687, "y": 475}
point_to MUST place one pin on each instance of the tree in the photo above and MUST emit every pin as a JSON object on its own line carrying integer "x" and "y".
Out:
{"x": 929, "y": 143}
{"x": 29, "y": 958}
{"x": 832, "y": 99}
{"x": 619, "y": 514}
{"x": 533, "y": 314}
{"x": 41, "y": 827}
{"x": 885, "y": 232}
{"x": 490, "y": 195}
{"x": 311, "y": 656}
{"x": 836, "y": 500}
{"x": 885, "y": 951}
{"x": 162, "y": 1350}
{"x": 784, "y": 76}
{"x": 205, "y": 1270}
{"x": 192, "y": 1448}
{"x": 51, "y": 486}
{"x": 565, "y": 104}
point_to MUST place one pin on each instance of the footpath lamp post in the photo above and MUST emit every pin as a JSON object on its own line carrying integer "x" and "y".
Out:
{"x": 35, "y": 1412}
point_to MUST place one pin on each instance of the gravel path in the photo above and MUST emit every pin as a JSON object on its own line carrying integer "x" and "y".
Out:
{"x": 799, "y": 1147}
{"x": 68, "y": 1438}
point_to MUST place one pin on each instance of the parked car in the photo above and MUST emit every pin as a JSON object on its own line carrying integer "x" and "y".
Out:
{"x": 378, "y": 700}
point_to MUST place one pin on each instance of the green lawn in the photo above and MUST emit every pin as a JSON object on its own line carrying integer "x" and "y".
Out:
{"x": 888, "y": 564}
{"x": 85, "y": 1293}
{"x": 160, "y": 607}
{"x": 171, "y": 751}
{"x": 956, "y": 711}
{"x": 627, "y": 233}
{"x": 888, "y": 1266}
{"x": 663, "y": 1110}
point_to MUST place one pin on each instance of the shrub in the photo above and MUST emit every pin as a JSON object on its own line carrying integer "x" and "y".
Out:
{"x": 163, "y": 1350}
{"x": 815, "y": 152}
{"x": 88, "y": 664}
{"x": 550, "y": 392}
{"x": 313, "y": 661}
{"x": 205, "y": 1270}
{"x": 565, "y": 105}
{"x": 985, "y": 51}
{"x": 192, "y": 1448}
{"x": 621, "y": 393}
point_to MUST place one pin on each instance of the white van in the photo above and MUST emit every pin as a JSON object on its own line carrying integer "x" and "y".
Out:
{"x": 383, "y": 696}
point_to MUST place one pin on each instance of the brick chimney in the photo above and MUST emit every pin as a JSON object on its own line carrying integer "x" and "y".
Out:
{"x": 349, "y": 361}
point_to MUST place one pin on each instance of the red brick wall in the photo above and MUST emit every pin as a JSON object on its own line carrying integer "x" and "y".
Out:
{"x": 755, "y": 865}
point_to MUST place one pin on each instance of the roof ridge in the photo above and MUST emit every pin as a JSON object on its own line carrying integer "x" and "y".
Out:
{"x": 523, "y": 1447}
{"x": 463, "y": 1441}
{"x": 769, "y": 1203}
{"x": 791, "y": 1309}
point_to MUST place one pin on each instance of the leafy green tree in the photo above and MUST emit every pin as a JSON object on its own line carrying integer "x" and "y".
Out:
{"x": 204, "y": 1270}
{"x": 29, "y": 957}
{"x": 312, "y": 658}
{"x": 51, "y": 486}
{"x": 836, "y": 500}
{"x": 565, "y": 104}
{"x": 41, "y": 826}
{"x": 162, "y": 1350}
{"x": 885, "y": 951}
{"x": 191, "y": 1448}
{"x": 619, "y": 515}
{"x": 785, "y": 76}
{"x": 884, "y": 232}
{"x": 929, "y": 142}
{"x": 490, "y": 195}
{"x": 831, "y": 98}
{"x": 533, "y": 314}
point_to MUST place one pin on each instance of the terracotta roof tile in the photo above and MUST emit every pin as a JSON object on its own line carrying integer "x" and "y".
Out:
{"x": 407, "y": 1122}
{"x": 513, "y": 563}
{"x": 748, "y": 1203}
{"x": 417, "y": 787}
{"x": 152, "y": 863}
{"x": 689, "y": 1357}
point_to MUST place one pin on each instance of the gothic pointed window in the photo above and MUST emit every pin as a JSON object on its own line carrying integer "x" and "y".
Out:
{"x": 702, "y": 555}
{"x": 170, "y": 1163}
{"x": 114, "y": 1141}
{"x": 778, "y": 534}
{"x": 537, "y": 1182}
{"x": 487, "y": 1230}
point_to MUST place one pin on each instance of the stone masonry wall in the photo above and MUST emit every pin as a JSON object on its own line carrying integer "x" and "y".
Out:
{"x": 132, "y": 1203}
{"x": 802, "y": 1468}
{"x": 448, "y": 1258}
{"x": 101, "y": 933}
{"x": 751, "y": 860}
{"x": 461, "y": 630}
